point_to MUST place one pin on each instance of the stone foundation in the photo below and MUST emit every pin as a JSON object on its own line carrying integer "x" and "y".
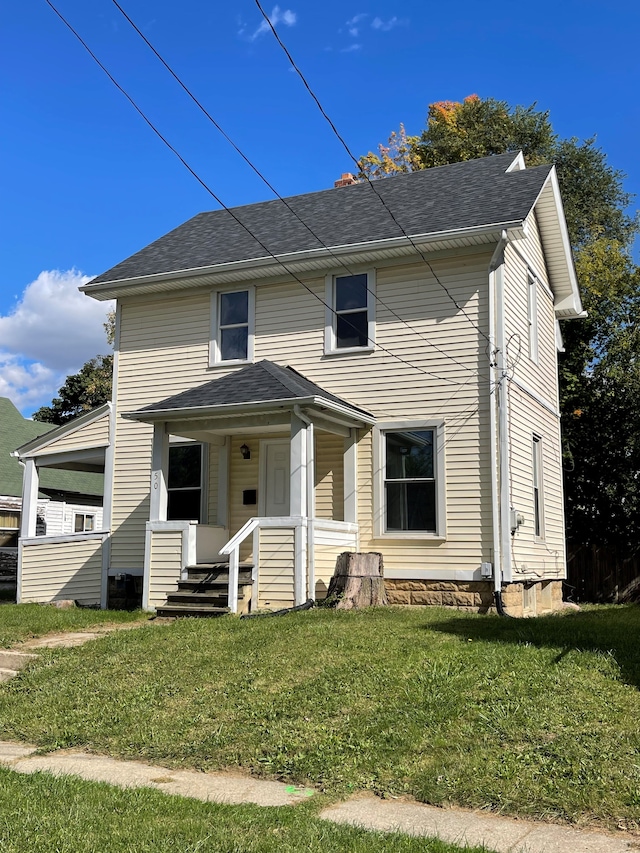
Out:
{"x": 520, "y": 599}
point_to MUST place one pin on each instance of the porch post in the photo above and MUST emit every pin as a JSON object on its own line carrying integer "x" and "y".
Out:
{"x": 30, "y": 486}
{"x": 159, "y": 473}
{"x": 351, "y": 477}
{"x": 298, "y": 484}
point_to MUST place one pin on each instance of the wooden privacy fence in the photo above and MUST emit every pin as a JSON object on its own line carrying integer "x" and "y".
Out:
{"x": 598, "y": 573}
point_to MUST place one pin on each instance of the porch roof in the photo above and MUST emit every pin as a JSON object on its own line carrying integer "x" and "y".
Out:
{"x": 260, "y": 386}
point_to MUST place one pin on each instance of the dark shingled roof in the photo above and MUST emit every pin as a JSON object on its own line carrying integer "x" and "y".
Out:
{"x": 462, "y": 195}
{"x": 262, "y": 382}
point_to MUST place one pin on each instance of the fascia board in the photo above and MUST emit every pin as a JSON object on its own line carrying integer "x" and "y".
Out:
{"x": 130, "y": 286}
{"x": 42, "y": 441}
{"x": 197, "y": 413}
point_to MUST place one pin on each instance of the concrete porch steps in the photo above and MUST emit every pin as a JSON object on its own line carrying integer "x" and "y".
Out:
{"x": 204, "y": 592}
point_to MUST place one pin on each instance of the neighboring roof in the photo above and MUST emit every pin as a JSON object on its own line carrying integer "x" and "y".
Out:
{"x": 16, "y": 431}
{"x": 260, "y": 383}
{"x": 459, "y": 196}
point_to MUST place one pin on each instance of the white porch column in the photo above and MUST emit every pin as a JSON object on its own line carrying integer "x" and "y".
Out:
{"x": 30, "y": 486}
{"x": 298, "y": 483}
{"x": 159, "y": 473}
{"x": 351, "y": 477}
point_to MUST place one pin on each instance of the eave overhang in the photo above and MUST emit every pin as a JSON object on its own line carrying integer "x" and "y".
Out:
{"x": 299, "y": 263}
{"x": 354, "y": 417}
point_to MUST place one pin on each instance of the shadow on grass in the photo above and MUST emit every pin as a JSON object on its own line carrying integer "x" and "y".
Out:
{"x": 614, "y": 629}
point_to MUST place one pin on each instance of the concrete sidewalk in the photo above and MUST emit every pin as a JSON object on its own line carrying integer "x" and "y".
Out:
{"x": 499, "y": 834}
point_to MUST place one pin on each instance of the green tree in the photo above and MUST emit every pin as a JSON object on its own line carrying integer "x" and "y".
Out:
{"x": 81, "y": 392}
{"x": 600, "y": 369}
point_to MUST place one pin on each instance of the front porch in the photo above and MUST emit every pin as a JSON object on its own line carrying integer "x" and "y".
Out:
{"x": 282, "y": 501}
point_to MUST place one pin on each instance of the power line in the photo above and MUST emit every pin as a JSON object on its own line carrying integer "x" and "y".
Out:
{"x": 357, "y": 164}
{"x": 222, "y": 204}
{"x": 262, "y": 177}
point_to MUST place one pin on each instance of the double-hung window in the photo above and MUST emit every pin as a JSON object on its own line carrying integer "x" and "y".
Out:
{"x": 232, "y": 326}
{"x": 184, "y": 487}
{"x": 350, "y": 324}
{"x": 410, "y": 484}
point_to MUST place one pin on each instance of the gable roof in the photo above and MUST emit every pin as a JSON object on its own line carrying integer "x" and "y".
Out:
{"x": 16, "y": 431}
{"x": 255, "y": 385}
{"x": 458, "y": 196}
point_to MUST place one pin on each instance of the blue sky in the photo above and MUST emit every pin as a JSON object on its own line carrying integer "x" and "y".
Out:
{"x": 85, "y": 183}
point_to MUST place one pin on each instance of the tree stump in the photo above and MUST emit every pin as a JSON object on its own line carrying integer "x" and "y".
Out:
{"x": 357, "y": 582}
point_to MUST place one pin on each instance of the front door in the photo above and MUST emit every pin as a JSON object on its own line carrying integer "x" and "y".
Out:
{"x": 275, "y": 472}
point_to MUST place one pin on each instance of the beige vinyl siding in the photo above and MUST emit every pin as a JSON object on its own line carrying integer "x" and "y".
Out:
{"x": 165, "y": 565}
{"x": 275, "y": 577}
{"x": 95, "y": 434}
{"x": 540, "y": 375}
{"x": 164, "y": 350}
{"x": 329, "y": 487}
{"x": 243, "y": 474}
{"x": 54, "y": 571}
{"x": 544, "y": 557}
{"x": 328, "y": 545}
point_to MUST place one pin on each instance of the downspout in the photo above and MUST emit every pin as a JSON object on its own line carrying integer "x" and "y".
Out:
{"x": 498, "y": 425}
{"x": 311, "y": 502}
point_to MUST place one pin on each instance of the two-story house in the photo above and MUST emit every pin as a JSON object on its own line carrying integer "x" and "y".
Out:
{"x": 366, "y": 368}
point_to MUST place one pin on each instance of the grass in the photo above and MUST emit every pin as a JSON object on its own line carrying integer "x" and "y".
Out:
{"x": 84, "y": 817}
{"x": 534, "y": 717}
{"x": 21, "y": 622}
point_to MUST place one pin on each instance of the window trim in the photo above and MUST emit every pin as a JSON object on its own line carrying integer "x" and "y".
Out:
{"x": 537, "y": 486}
{"x": 215, "y": 355}
{"x": 84, "y": 516}
{"x": 379, "y": 465}
{"x": 330, "y": 343}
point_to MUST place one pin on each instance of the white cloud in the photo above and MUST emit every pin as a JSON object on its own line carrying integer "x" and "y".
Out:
{"x": 385, "y": 26}
{"x": 351, "y": 48}
{"x": 51, "y": 332}
{"x": 28, "y": 386}
{"x": 353, "y": 24}
{"x": 277, "y": 16}
{"x": 54, "y": 324}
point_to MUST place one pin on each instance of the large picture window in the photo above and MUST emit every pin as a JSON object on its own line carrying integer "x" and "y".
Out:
{"x": 350, "y": 313}
{"x": 185, "y": 483}
{"x": 232, "y": 327}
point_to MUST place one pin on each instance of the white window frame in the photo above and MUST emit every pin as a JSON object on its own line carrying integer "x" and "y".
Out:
{"x": 532, "y": 314}
{"x": 178, "y": 441}
{"x": 215, "y": 354}
{"x": 537, "y": 485}
{"x": 330, "y": 339}
{"x": 379, "y": 465}
{"x": 85, "y": 517}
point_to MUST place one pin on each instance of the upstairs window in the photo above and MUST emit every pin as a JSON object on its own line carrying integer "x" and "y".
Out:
{"x": 350, "y": 316}
{"x": 185, "y": 483}
{"x": 232, "y": 327}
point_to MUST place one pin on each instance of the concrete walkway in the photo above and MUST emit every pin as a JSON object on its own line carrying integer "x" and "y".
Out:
{"x": 500, "y": 834}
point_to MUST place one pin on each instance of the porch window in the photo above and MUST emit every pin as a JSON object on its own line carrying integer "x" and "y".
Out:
{"x": 184, "y": 490}
{"x": 350, "y": 321}
{"x": 232, "y": 327}
{"x": 9, "y": 527}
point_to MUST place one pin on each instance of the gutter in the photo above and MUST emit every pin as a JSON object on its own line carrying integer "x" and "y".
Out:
{"x": 498, "y": 424}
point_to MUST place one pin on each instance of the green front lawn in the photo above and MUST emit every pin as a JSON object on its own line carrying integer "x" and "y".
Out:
{"x": 48, "y": 815}
{"x": 21, "y": 622}
{"x": 536, "y": 717}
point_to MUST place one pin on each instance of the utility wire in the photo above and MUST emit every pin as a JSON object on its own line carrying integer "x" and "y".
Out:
{"x": 262, "y": 177}
{"x": 224, "y": 206}
{"x": 357, "y": 164}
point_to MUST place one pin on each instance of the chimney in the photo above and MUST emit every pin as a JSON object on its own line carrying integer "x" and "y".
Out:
{"x": 346, "y": 180}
